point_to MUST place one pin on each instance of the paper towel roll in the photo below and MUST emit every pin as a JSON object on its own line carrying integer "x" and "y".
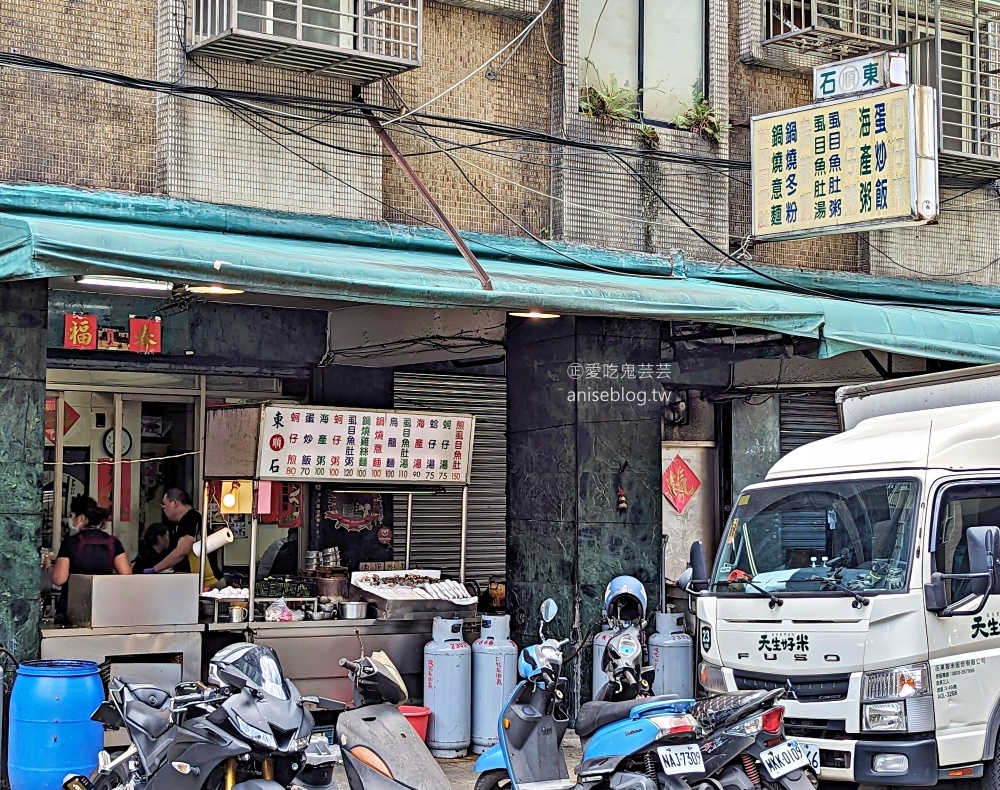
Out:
{"x": 215, "y": 541}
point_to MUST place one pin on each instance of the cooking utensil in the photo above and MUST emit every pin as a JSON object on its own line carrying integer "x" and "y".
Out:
{"x": 353, "y": 610}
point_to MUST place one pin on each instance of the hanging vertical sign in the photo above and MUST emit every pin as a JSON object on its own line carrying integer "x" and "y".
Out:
{"x": 388, "y": 447}
{"x": 80, "y": 331}
{"x": 144, "y": 335}
{"x": 847, "y": 165}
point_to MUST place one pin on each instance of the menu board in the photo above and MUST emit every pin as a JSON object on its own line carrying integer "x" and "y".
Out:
{"x": 324, "y": 444}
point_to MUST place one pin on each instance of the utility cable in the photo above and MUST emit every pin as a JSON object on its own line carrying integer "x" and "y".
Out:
{"x": 514, "y": 42}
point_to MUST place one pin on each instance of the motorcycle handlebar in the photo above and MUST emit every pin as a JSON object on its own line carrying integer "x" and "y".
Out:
{"x": 350, "y": 666}
{"x": 208, "y": 695}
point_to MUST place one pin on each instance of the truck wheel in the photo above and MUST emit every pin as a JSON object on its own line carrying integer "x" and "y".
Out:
{"x": 493, "y": 780}
{"x": 991, "y": 777}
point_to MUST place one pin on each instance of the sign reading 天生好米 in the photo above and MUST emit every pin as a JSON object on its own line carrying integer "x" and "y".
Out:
{"x": 847, "y": 165}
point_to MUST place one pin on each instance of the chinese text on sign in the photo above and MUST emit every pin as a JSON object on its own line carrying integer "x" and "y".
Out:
{"x": 327, "y": 444}
{"x": 836, "y": 166}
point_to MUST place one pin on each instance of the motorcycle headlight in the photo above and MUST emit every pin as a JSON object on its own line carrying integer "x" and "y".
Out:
{"x": 301, "y": 744}
{"x": 258, "y": 736}
{"x": 712, "y": 678}
{"x": 910, "y": 680}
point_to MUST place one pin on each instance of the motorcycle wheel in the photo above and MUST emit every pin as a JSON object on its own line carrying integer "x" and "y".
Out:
{"x": 119, "y": 777}
{"x": 493, "y": 780}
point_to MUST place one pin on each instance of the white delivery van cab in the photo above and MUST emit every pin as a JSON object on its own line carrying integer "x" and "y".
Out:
{"x": 862, "y": 576}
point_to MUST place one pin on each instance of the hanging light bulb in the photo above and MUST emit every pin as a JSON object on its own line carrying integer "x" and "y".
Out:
{"x": 229, "y": 500}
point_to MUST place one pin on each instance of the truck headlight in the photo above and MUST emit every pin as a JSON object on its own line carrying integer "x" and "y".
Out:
{"x": 712, "y": 678}
{"x": 910, "y": 680}
{"x": 884, "y": 717}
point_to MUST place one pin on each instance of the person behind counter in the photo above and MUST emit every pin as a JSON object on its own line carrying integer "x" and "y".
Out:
{"x": 178, "y": 509}
{"x": 281, "y": 557}
{"x": 153, "y": 547}
{"x": 90, "y": 551}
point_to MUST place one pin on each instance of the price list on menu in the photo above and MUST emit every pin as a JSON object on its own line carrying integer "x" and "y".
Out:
{"x": 332, "y": 445}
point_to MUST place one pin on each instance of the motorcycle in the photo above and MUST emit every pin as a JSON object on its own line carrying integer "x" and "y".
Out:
{"x": 248, "y": 729}
{"x": 379, "y": 748}
{"x": 623, "y": 662}
{"x": 658, "y": 743}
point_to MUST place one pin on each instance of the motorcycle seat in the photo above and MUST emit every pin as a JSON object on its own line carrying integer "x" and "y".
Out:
{"x": 711, "y": 712}
{"x": 152, "y": 721}
{"x": 594, "y": 715}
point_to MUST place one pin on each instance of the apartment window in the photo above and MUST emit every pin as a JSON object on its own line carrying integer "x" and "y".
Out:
{"x": 653, "y": 46}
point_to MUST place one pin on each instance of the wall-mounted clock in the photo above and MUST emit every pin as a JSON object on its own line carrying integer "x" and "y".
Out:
{"x": 109, "y": 442}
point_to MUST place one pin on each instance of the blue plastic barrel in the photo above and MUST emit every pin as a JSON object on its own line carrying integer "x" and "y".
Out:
{"x": 51, "y": 734}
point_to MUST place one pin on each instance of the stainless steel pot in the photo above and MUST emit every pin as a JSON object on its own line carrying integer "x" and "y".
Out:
{"x": 353, "y": 610}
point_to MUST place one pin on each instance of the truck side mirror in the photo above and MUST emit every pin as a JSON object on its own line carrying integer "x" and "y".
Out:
{"x": 699, "y": 572}
{"x": 984, "y": 547}
{"x": 684, "y": 580}
{"x": 973, "y": 589}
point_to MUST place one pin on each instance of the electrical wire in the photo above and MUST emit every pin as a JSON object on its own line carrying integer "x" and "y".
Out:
{"x": 514, "y": 42}
{"x": 925, "y": 274}
{"x": 727, "y": 255}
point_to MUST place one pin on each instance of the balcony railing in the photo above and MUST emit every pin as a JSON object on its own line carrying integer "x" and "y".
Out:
{"x": 357, "y": 40}
{"x": 962, "y": 60}
{"x": 841, "y": 28}
{"x": 953, "y": 46}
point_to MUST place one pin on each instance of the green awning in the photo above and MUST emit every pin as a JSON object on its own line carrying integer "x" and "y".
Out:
{"x": 55, "y": 232}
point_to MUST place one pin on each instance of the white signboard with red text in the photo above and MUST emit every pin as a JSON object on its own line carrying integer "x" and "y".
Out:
{"x": 326, "y": 444}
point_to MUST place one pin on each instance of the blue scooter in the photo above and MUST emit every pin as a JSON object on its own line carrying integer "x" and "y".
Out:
{"x": 731, "y": 742}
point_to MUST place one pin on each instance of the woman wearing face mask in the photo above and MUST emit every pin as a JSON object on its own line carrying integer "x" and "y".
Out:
{"x": 153, "y": 547}
{"x": 89, "y": 551}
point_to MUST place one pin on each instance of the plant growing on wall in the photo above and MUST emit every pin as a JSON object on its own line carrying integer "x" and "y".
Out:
{"x": 607, "y": 100}
{"x": 703, "y": 119}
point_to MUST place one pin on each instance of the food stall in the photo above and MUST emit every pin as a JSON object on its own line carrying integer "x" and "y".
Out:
{"x": 351, "y": 459}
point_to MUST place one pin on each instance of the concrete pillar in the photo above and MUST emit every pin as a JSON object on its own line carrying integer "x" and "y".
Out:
{"x": 755, "y": 441}
{"x": 566, "y": 444}
{"x": 22, "y": 410}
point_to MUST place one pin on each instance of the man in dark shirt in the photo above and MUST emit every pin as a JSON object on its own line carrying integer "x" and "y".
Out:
{"x": 185, "y": 531}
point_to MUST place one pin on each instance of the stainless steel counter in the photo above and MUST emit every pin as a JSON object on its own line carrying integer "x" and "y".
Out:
{"x": 310, "y": 650}
{"x": 162, "y": 655}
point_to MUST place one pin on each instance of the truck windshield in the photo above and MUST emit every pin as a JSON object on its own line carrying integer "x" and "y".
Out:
{"x": 817, "y": 536}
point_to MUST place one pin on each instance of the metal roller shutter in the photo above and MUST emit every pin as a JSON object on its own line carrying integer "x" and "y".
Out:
{"x": 437, "y": 519}
{"x": 807, "y": 417}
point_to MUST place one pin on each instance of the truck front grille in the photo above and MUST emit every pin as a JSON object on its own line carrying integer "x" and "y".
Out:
{"x": 824, "y": 688}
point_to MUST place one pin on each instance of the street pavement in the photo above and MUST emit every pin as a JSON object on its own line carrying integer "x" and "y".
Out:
{"x": 461, "y": 775}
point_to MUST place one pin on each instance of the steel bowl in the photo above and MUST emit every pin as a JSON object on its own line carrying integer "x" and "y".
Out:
{"x": 353, "y": 610}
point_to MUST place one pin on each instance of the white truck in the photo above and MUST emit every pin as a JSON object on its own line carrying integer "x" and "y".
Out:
{"x": 862, "y": 575}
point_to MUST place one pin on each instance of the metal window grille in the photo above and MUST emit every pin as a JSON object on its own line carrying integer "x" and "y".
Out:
{"x": 954, "y": 47}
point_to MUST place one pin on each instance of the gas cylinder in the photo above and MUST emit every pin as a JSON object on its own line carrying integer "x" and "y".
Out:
{"x": 600, "y": 642}
{"x": 671, "y": 652}
{"x": 448, "y": 689}
{"x": 494, "y": 674}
